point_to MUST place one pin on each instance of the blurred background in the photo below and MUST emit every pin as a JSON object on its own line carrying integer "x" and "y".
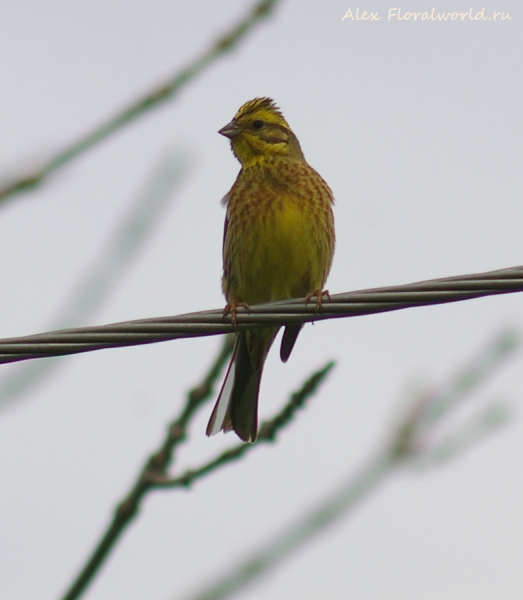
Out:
{"x": 417, "y": 128}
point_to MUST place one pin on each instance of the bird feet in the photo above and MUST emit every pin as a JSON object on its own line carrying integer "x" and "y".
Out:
{"x": 319, "y": 298}
{"x": 231, "y": 308}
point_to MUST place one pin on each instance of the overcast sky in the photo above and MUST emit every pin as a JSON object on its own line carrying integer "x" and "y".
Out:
{"x": 417, "y": 127}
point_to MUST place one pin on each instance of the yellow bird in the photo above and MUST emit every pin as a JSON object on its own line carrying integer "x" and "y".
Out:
{"x": 278, "y": 244}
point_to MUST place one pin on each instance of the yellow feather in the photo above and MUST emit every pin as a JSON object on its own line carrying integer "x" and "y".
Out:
{"x": 278, "y": 244}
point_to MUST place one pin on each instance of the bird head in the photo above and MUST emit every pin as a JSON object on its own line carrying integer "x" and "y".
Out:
{"x": 258, "y": 132}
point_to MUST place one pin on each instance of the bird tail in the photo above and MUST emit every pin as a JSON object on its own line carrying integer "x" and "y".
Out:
{"x": 237, "y": 405}
{"x": 290, "y": 335}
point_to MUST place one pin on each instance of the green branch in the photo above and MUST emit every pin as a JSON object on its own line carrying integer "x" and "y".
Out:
{"x": 159, "y": 95}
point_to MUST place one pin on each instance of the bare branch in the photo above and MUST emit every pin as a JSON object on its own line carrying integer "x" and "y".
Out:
{"x": 267, "y": 433}
{"x": 482, "y": 424}
{"x": 154, "y": 472}
{"x": 158, "y": 95}
{"x": 157, "y": 463}
{"x": 310, "y": 524}
{"x": 136, "y": 226}
{"x": 404, "y": 448}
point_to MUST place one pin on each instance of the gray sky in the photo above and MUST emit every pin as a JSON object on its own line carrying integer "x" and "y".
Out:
{"x": 417, "y": 127}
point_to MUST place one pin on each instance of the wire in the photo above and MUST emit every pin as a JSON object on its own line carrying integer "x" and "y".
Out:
{"x": 213, "y": 322}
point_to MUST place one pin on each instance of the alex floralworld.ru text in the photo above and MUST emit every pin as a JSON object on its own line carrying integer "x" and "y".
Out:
{"x": 398, "y": 14}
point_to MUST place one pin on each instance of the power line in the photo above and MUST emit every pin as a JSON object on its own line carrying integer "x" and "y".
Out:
{"x": 365, "y": 302}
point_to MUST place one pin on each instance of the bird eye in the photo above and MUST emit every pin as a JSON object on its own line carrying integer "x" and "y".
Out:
{"x": 257, "y": 124}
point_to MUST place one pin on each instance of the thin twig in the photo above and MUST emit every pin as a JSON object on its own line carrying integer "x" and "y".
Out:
{"x": 157, "y": 96}
{"x": 404, "y": 448}
{"x": 267, "y": 434}
{"x": 299, "y": 532}
{"x": 126, "y": 241}
{"x": 366, "y": 302}
{"x": 154, "y": 473}
{"x": 157, "y": 463}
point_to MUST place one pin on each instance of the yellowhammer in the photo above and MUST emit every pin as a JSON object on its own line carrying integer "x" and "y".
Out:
{"x": 278, "y": 243}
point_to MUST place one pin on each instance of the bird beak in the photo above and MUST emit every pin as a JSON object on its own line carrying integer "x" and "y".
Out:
{"x": 230, "y": 130}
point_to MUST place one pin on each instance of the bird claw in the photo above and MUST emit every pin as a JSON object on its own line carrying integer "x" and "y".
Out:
{"x": 318, "y": 294}
{"x": 231, "y": 308}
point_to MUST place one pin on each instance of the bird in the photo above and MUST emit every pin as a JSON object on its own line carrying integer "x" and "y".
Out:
{"x": 278, "y": 243}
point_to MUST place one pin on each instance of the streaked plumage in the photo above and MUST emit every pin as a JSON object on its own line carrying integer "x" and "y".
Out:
{"x": 278, "y": 244}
